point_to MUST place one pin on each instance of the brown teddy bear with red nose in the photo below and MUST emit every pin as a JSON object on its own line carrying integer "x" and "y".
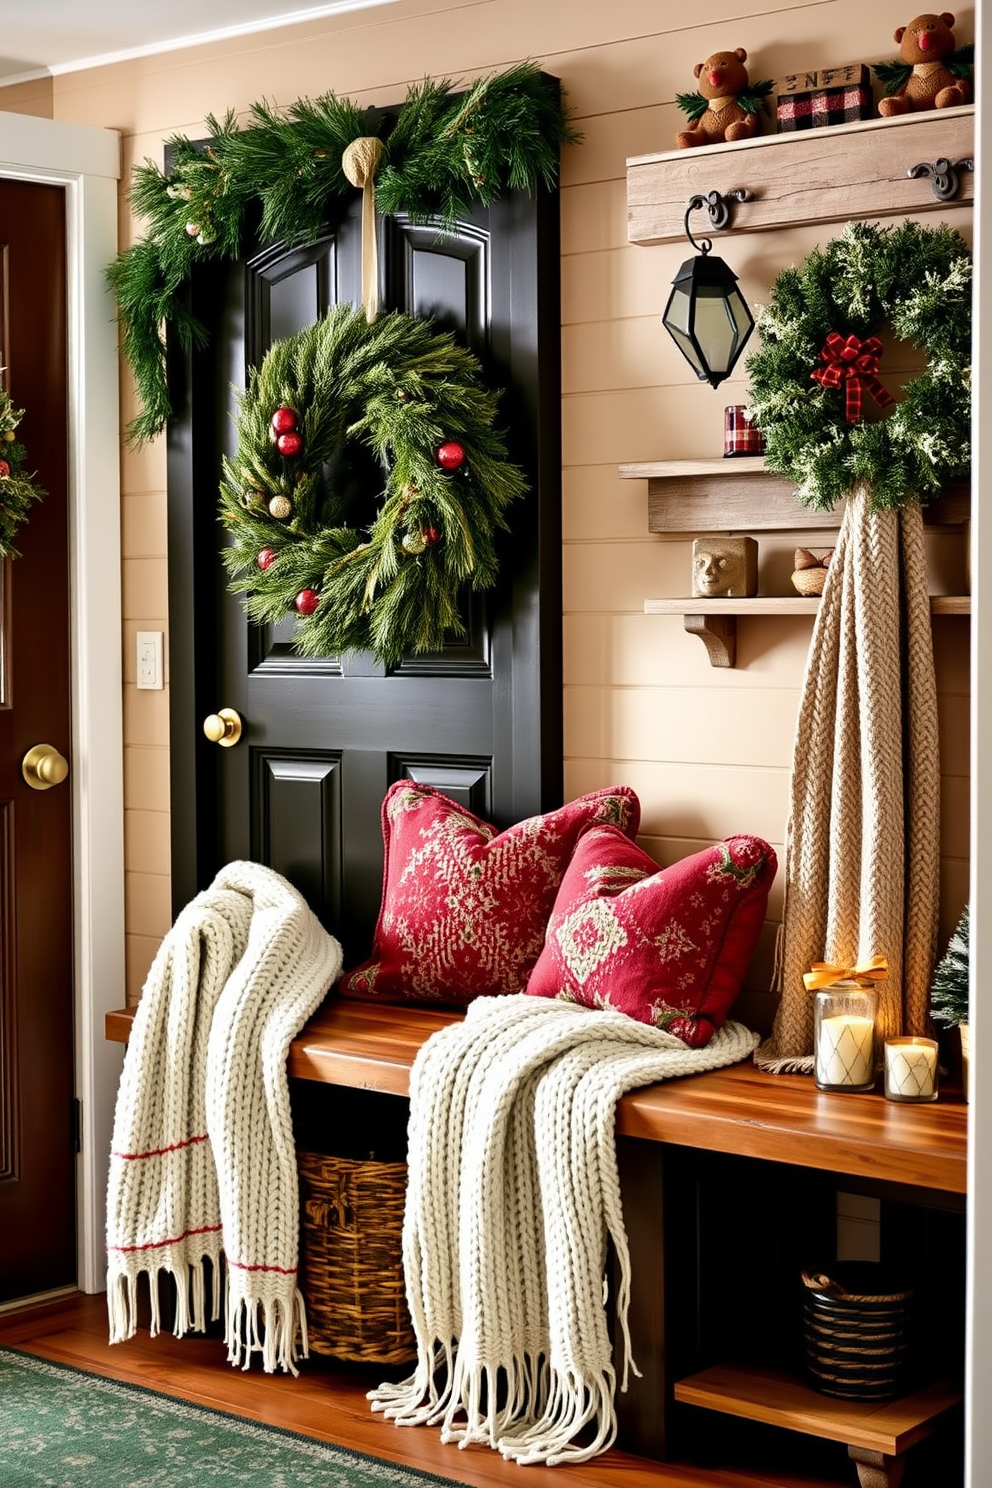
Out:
{"x": 930, "y": 72}
{"x": 727, "y": 105}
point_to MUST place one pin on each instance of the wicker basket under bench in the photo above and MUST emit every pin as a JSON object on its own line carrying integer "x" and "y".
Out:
{"x": 351, "y": 1258}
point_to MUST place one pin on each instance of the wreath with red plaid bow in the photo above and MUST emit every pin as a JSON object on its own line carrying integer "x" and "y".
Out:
{"x": 828, "y": 389}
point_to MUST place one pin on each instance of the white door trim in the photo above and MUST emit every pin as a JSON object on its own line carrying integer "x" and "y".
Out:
{"x": 978, "y": 1361}
{"x": 86, "y": 162}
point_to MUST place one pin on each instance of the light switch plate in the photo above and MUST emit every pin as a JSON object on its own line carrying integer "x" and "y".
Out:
{"x": 149, "y": 660}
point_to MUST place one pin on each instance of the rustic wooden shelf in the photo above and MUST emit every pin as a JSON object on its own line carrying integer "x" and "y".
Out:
{"x": 741, "y": 495}
{"x": 833, "y": 174}
{"x": 715, "y": 620}
{"x": 876, "y": 1435}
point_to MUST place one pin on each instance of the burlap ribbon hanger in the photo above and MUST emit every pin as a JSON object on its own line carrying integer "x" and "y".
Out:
{"x": 360, "y": 162}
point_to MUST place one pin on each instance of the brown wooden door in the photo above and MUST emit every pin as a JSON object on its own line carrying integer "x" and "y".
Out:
{"x": 324, "y": 738}
{"x": 37, "y": 1150}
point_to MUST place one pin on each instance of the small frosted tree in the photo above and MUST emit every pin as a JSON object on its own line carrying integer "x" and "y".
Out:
{"x": 949, "y": 988}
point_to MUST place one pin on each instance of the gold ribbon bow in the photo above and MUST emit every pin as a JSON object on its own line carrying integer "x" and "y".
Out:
{"x": 360, "y": 162}
{"x": 825, "y": 973}
{"x": 855, "y": 363}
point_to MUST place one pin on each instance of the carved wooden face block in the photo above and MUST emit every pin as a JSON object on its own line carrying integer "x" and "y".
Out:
{"x": 724, "y": 567}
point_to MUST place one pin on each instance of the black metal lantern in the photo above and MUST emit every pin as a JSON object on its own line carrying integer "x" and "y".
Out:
{"x": 707, "y": 316}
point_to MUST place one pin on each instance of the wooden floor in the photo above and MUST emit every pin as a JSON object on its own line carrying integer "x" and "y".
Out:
{"x": 326, "y": 1403}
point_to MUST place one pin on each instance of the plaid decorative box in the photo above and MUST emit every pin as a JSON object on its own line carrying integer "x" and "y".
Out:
{"x": 830, "y": 95}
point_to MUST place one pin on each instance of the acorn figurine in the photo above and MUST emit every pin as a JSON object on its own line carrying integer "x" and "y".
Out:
{"x": 810, "y": 571}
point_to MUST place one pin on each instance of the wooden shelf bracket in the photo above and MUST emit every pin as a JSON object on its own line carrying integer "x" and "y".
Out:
{"x": 718, "y": 634}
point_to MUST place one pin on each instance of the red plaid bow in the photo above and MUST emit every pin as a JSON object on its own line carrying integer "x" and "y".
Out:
{"x": 855, "y": 363}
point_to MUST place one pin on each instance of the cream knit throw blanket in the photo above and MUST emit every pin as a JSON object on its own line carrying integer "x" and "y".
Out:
{"x": 513, "y": 1193}
{"x": 863, "y": 849}
{"x": 203, "y": 1160}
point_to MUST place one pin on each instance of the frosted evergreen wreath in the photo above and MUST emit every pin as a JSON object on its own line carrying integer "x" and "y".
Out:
{"x": 444, "y": 153}
{"x": 17, "y": 490}
{"x": 816, "y": 376}
{"x": 416, "y": 399}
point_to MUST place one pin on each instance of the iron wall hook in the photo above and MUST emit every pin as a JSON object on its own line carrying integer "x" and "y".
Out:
{"x": 717, "y": 206}
{"x": 944, "y": 175}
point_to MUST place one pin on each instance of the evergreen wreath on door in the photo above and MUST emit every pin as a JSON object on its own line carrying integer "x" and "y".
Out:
{"x": 418, "y": 401}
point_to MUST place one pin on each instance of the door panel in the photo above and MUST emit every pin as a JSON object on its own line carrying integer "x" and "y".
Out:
{"x": 37, "y": 1157}
{"x": 296, "y": 828}
{"x": 324, "y": 738}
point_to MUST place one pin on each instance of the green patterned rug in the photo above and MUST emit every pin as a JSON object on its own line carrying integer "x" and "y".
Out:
{"x": 62, "y": 1428}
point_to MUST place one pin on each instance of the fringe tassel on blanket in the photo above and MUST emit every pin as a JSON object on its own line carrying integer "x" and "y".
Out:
{"x": 513, "y": 1201}
{"x": 190, "y": 1314}
{"x": 269, "y": 1328}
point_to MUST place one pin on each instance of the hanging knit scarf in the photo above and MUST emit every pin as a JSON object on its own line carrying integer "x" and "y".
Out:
{"x": 203, "y": 1161}
{"x": 863, "y": 837}
{"x": 513, "y": 1195}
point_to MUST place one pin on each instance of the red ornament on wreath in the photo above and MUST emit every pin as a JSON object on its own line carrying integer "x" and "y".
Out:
{"x": 266, "y": 558}
{"x": 4, "y": 469}
{"x": 430, "y": 536}
{"x": 307, "y": 601}
{"x": 283, "y": 421}
{"x": 290, "y": 443}
{"x": 450, "y": 455}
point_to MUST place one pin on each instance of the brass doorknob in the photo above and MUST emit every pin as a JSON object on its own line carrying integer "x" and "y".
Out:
{"x": 223, "y": 728}
{"x": 43, "y": 767}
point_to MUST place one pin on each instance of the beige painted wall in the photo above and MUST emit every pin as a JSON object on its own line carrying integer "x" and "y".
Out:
{"x": 708, "y": 751}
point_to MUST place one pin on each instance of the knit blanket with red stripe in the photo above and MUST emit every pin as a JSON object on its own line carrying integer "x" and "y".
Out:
{"x": 203, "y": 1163}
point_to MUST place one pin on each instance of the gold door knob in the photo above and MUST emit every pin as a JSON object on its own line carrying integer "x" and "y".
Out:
{"x": 43, "y": 767}
{"x": 223, "y": 728}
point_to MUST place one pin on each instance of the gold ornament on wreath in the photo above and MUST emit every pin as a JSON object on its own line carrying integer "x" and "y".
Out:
{"x": 417, "y": 400}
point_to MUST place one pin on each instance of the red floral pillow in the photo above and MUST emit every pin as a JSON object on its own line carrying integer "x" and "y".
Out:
{"x": 668, "y": 946}
{"x": 465, "y": 908}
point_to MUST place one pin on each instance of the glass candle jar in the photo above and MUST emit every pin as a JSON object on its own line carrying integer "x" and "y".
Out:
{"x": 844, "y": 1036}
{"x": 911, "y": 1069}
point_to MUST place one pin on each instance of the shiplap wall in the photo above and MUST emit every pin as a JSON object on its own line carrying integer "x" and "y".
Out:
{"x": 708, "y": 751}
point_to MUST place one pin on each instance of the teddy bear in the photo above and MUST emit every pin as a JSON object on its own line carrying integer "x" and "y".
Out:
{"x": 726, "y": 106}
{"x": 930, "y": 72}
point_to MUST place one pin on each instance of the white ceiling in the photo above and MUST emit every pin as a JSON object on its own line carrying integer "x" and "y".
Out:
{"x": 42, "y": 37}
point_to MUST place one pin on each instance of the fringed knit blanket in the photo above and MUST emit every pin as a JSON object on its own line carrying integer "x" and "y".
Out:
{"x": 203, "y": 1159}
{"x": 513, "y": 1194}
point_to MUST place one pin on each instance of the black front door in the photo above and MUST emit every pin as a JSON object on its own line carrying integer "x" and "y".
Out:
{"x": 323, "y": 739}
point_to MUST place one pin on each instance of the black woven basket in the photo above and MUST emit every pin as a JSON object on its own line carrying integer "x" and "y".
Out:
{"x": 857, "y": 1329}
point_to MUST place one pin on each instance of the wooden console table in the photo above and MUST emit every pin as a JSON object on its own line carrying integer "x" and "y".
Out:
{"x": 916, "y": 1154}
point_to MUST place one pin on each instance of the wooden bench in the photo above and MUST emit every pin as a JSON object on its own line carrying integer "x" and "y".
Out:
{"x": 912, "y": 1154}
{"x": 368, "y": 1046}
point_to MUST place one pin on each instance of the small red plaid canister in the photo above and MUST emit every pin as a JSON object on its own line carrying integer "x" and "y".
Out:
{"x": 740, "y": 436}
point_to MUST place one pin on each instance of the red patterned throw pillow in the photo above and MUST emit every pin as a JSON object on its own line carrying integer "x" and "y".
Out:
{"x": 465, "y": 908}
{"x": 668, "y": 946}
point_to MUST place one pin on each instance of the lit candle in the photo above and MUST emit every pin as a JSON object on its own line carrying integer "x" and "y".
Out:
{"x": 844, "y": 1052}
{"x": 911, "y": 1069}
